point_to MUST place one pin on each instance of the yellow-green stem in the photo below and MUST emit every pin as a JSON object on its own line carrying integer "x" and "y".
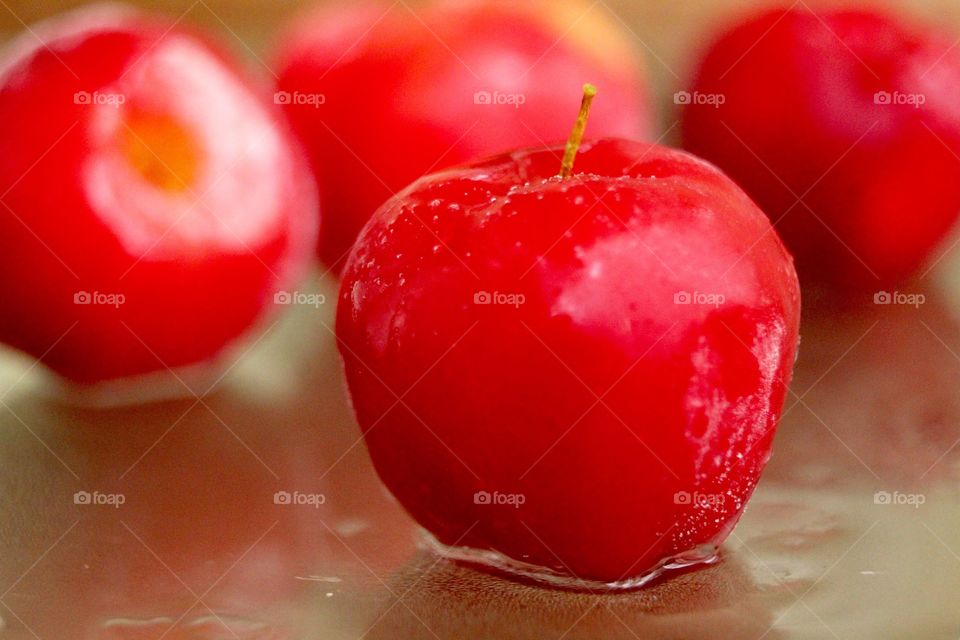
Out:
{"x": 576, "y": 136}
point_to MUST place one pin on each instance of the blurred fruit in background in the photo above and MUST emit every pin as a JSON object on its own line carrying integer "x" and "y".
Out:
{"x": 845, "y": 127}
{"x": 154, "y": 203}
{"x": 381, "y": 95}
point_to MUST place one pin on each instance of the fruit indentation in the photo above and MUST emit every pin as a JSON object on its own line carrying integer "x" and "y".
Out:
{"x": 161, "y": 150}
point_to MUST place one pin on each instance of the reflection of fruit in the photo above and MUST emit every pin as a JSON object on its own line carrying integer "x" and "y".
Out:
{"x": 153, "y": 202}
{"x": 455, "y": 602}
{"x": 407, "y": 91}
{"x": 559, "y": 431}
{"x": 850, "y": 111}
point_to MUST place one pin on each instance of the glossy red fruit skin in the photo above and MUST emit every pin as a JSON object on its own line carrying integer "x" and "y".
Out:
{"x": 501, "y": 398}
{"x": 196, "y": 267}
{"x": 399, "y": 92}
{"x": 881, "y": 182}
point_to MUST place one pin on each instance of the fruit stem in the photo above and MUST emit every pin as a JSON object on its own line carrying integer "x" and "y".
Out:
{"x": 576, "y": 136}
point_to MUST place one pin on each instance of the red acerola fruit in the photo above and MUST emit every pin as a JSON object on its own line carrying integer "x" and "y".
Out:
{"x": 845, "y": 127}
{"x": 154, "y": 202}
{"x": 381, "y": 94}
{"x": 574, "y": 378}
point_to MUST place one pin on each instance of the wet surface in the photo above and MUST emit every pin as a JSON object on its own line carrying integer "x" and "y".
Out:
{"x": 852, "y": 533}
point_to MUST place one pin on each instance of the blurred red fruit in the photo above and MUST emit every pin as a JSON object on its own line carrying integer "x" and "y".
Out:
{"x": 853, "y": 113}
{"x": 153, "y": 202}
{"x": 381, "y": 95}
